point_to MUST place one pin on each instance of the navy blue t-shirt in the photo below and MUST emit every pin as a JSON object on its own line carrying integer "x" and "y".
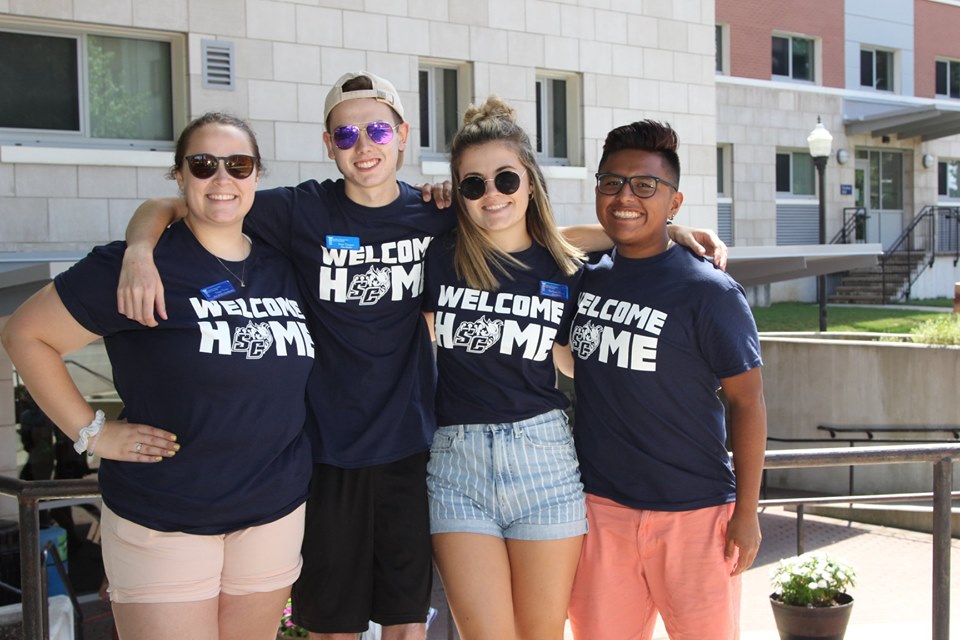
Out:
{"x": 651, "y": 340}
{"x": 361, "y": 270}
{"x": 495, "y": 348}
{"x": 226, "y": 375}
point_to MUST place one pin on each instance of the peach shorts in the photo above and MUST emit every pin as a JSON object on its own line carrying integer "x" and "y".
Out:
{"x": 636, "y": 563}
{"x": 147, "y": 566}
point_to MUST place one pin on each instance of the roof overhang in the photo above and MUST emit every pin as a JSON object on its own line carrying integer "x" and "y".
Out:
{"x": 753, "y": 266}
{"x": 926, "y": 121}
{"x": 23, "y": 274}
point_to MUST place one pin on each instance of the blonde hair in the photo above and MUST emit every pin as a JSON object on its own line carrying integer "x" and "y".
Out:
{"x": 475, "y": 255}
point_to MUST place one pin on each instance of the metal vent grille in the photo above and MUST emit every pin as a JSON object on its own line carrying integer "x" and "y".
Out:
{"x": 217, "y": 64}
{"x": 725, "y": 222}
{"x": 797, "y": 224}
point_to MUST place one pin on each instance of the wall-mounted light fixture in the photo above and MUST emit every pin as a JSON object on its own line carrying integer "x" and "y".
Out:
{"x": 928, "y": 160}
{"x": 842, "y": 156}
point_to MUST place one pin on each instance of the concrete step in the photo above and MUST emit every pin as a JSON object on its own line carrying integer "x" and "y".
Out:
{"x": 847, "y": 300}
{"x": 878, "y": 272}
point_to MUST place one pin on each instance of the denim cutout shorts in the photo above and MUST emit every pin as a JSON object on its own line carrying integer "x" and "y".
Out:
{"x": 517, "y": 480}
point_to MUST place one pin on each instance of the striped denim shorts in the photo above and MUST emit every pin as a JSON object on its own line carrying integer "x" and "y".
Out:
{"x": 517, "y": 480}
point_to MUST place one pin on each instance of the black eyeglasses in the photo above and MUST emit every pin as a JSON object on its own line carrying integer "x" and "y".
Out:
{"x": 205, "y": 165}
{"x": 347, "y": 135}
{"x": 610, "y": 184}
{"x": 506, "y": 182}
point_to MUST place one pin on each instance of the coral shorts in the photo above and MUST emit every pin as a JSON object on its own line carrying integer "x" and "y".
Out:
{"x": 636, "y": 563}
{"x": 147, "y": 566}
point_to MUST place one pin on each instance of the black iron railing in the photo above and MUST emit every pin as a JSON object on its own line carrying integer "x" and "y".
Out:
{"x": 935, "y": 230}
{"x": 940, "y": 455}
{"x": 854, "y": 227}
{"x": 29, "y": 493}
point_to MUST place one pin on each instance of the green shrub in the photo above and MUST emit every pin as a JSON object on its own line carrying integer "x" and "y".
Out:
{"x": 944, "y": 329}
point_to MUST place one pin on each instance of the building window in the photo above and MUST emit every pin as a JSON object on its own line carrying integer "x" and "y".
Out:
{"x": 795, "y": 173}
{"x": 948, "y": 179}
{"x": 724, "y": 162}
{"x": 552, "y": 117}
{"x": 793, "y": 57}
{"x": 719, "y": 43}
{"x": 558, "y": 118}
{"x": 948, "y": 78}
{"x": 440, "y": 88}
{"x": 722, "y": 42}
{"x": 876, "y": 69}
{"x": 70, "y": 85}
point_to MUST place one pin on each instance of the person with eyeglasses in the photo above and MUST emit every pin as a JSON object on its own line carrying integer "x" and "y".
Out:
{"x": 507, "y": 512}
{"x": 657, "y": 332}
{"x": 204, "y": 479}
{"x": 359, "y": 246}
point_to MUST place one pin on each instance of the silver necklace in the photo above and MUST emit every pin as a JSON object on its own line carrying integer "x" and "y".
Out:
{"x": 243, "y": 267}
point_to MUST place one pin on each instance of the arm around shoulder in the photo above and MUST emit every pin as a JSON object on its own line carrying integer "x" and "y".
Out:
{"x": 140, "y": 290}
{"x": 701, "y": 241}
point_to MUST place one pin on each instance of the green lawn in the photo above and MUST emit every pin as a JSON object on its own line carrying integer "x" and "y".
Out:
{"x": 796, "y": 316}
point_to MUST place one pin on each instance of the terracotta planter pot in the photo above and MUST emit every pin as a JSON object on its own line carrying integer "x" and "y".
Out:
{"x": 812, "y": 623}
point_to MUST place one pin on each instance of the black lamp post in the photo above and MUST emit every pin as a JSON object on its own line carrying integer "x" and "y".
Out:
{"x": 820, "y": 142}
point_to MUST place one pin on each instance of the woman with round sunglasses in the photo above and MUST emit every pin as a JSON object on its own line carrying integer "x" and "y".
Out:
{"x": 507, "y": 510}
{"x": 204, "y": 479}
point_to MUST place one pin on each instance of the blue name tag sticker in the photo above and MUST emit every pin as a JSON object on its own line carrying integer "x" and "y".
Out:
{"x": 553, "y": 290}
{"x": 343, "y": 242}
{"x": 218, "y": 290}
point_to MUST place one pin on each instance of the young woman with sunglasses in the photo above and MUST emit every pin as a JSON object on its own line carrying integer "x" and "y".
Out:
{"x": 202, "y": 541}
{"x": 506, "y": 503}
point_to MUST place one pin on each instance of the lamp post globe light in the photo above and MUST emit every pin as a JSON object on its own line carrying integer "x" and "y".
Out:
{"x": 820, "y": 143}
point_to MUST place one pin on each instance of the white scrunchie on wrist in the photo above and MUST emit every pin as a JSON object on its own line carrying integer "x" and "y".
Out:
{"x": 89, "y": 431}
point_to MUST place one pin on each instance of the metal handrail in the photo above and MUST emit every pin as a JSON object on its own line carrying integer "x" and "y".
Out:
{"x": 29, "y": 493}
{"x": 852, "y": 216}
{"x": 95, "y": 374}
{"x": 904, "y": 244}
{"x": 942, "y": 457}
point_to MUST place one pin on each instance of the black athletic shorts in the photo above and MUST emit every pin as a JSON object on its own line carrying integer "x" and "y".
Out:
{"x": 366, "y": 548}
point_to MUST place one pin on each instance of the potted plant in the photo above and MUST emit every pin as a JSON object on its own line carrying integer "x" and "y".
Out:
{"x": 810, "y": 598}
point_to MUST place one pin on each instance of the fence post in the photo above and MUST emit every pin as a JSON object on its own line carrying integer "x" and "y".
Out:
{"x": 31, "y": 571}
{"x": 942, "y": 486}
{"x": 801, "y": 543}
{"x": 956, "y": 297}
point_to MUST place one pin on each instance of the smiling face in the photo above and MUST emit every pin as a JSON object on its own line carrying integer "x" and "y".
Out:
{"x": 501, "y": 216}
{"x": 638, "y": 226}
{"x": 369, "y": 169}
{"x": 220, "y": 200}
